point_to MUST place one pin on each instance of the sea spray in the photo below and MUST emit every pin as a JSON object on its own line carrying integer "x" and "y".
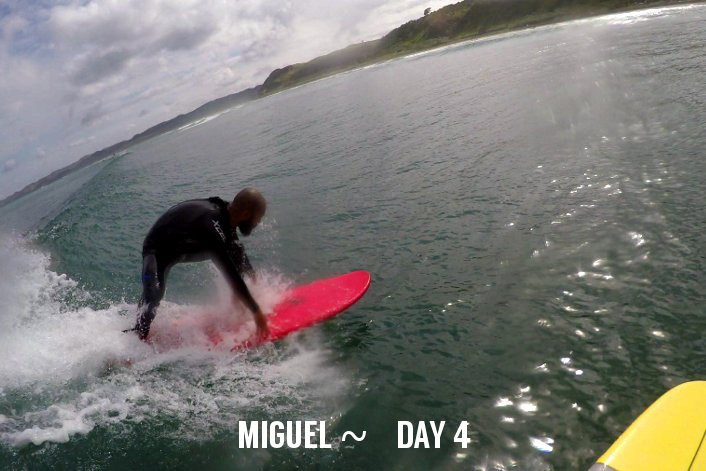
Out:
{"x": 61, "y": 376}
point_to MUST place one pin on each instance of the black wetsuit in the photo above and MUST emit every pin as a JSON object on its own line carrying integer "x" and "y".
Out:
{"x": 191, "y": 231}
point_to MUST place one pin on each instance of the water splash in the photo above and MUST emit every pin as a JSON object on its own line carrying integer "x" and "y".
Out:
{"x": 68, "y": 368}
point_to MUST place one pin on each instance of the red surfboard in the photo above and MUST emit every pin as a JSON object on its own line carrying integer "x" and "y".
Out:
{"x": 300, "y": 307}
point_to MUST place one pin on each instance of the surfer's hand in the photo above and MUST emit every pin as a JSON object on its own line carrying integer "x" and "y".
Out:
{"x": 262, "y": 330}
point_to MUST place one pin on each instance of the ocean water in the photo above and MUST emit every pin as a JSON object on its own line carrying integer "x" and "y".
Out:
{"x": 531, "y": 208}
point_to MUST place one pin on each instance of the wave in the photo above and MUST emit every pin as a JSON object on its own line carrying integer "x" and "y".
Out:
{"x": 67, "y": 368}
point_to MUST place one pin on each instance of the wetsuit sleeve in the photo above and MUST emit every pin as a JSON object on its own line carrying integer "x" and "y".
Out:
{"x": 229, "y": 256}
{"x": 236, "y": 253}
{"x": 229, "y": 269}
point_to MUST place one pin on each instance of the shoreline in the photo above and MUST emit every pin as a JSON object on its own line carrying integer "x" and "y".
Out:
{"x": 430, "y": 46}
{"x": 221, "y": 105}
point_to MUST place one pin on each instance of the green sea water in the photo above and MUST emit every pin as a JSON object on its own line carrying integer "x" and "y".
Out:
{"x": 531, "y": 209}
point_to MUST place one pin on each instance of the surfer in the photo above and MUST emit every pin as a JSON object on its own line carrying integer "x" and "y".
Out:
{"x": 198, "y": 230}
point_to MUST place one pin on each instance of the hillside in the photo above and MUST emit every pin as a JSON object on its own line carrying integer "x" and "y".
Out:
{"x": 461, "y": 21}
{"x": 209, "y": 109}
{"x": 458, "y": 22}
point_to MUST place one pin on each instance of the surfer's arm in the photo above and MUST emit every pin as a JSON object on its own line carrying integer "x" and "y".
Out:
{"x": 236, "y": 253}
{"x": 245, "y": 266}
{"x": 240, "y": 289}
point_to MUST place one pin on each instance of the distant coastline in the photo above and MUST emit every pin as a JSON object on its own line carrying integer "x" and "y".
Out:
{"x": 459, "y": 22}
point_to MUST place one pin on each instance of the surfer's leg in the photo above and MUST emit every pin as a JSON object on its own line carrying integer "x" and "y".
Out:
{"x": 153, "y": 286}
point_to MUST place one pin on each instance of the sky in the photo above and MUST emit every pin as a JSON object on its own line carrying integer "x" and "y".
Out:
{"x": 78, "y": 76}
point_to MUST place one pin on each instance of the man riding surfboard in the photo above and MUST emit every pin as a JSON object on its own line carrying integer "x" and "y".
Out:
{"x": 198, "y": 230}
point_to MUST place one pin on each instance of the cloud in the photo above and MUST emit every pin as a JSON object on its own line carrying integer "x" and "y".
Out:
{"x": 92, "y": 115}
{"x": 102, "y": 38}
{"x": 184, "y": 38}
{"x": 79, "y": 75}
{"x": 98, "y": 65}
{"x": 8, "y": 165}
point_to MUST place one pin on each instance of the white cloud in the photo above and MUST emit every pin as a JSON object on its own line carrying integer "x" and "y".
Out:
{"x": 8, "y": 165}
{"x": 80, "y": 75}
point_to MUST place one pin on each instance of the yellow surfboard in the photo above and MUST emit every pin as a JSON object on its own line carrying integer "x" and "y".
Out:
{"x": 669, "y": 436}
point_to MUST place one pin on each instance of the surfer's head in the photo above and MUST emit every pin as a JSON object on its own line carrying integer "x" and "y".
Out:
{"x": 247, "y": 210}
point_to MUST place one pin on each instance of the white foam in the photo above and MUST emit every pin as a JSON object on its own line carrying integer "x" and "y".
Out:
{"x": 631, "y": 17}
{"x": 68, "y": 364}
{"x": 69, "y": 419}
